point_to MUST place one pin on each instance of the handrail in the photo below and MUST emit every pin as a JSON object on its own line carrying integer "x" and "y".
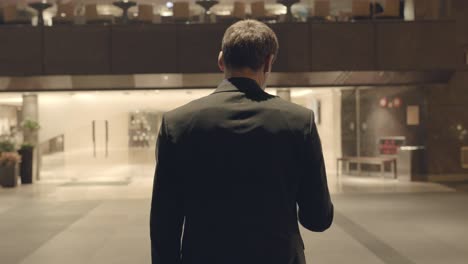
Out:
{"x": 53, "y": 145}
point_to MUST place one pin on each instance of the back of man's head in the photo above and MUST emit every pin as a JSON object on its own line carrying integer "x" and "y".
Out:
{"x": 248, "y": 44}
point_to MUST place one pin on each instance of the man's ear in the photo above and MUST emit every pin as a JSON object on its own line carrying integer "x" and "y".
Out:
{"x": 269, "y": 63}
{"x": 221, "y": 61}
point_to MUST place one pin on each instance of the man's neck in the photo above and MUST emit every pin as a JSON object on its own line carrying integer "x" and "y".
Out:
{"x": 245, "y": 73}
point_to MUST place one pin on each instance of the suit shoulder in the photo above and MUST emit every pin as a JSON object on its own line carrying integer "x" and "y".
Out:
{"x": 186, "y": 109}
{"x": 292, "y": 108}
{"x": 297, "y": 119}
{"x": 178, "y": 119}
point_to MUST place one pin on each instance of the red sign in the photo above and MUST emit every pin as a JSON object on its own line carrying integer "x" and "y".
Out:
{"x": 390, "y": 146}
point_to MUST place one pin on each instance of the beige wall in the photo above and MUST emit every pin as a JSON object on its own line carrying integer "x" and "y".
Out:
{"x": 330, "y": 126}
{"x": 72, "y": 115}
{"x": 8, "y": 118}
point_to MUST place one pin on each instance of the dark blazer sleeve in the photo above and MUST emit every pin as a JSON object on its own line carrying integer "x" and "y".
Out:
{"x": 166, "y": 217}
{"x": 313, "y": 199}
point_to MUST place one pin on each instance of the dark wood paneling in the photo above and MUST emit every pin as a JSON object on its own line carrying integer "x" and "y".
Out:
{"x": 193, "y": 48}
{"x": 421, "y": 45}
{"x": 459, "y": 13}
{"x": 144, "y": 49}
{"x": 293, "y": 54}
{"x": 20, "y": 50}
{"x": 198, "y": 47}
{"x": 77, "y": 50}
{"x": 448, "y": 125}
{"x": 454, "y": 93}
{"x": 447, "y": 133}
{"x": 342, "y": 46}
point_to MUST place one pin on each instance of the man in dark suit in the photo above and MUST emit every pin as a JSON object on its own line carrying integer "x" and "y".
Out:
{"x": 238, "y": 168}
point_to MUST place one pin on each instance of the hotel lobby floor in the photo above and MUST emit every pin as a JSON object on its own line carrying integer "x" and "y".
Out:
{"x": 105, "y": 220}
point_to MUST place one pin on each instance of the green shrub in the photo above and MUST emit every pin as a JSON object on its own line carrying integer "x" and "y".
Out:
{"x": 7, "y": 146}
{"x": 27, "y": 146}
{"x": 31, "y": 125}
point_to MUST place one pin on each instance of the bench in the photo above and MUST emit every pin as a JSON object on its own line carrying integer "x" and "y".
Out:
{"x": 381, "y": 161}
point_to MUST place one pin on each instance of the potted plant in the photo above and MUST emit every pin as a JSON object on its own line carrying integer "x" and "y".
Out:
{"x": 30, "y": 128}
{"x": 8, "y": 164}
{"x": 7, "y": 146}
{"x": 26, "y": 165}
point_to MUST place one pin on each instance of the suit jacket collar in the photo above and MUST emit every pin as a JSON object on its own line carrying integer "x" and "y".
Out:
{"x": 239, "y": 84}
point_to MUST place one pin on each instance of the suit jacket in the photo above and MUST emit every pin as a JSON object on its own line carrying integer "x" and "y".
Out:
{"x": 235, "y": 172}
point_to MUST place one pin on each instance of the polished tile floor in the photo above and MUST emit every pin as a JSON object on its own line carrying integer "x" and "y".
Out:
{"x": 104, "y": 219}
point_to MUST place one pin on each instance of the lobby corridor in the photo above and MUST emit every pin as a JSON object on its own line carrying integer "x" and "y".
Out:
{"x": 104, "y": 220}
{"x": 86, "y": 87}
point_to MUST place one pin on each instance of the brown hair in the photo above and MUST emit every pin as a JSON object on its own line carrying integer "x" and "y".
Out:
{"x": 248, "y": 43}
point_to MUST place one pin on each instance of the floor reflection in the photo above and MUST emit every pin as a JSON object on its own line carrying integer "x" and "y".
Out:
{"x": 100, "y": 214}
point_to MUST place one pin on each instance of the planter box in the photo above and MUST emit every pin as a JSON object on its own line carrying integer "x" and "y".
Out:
{"x": 26, "y": 165}
{"x": 8, "y": 176}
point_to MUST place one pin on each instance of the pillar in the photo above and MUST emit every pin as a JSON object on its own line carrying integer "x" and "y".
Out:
{"x": 409, "y": 10}
{"x": 30, "y": 111}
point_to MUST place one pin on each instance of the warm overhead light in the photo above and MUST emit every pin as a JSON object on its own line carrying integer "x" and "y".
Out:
{"x": 301, "y": 92}
{"x": 397, "y": 102}
{"x": 11, "y": 100}
{"x": 383, "y": 102}
{"x": 166, "y": 13}
{"x": 85, "y": 96}
{"x": 169, "y": 4}
{"x": 364, "y": 126}
{"x": 223, "y": 12}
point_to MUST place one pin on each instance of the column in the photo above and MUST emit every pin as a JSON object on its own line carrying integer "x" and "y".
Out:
{"x": 409, "y": 10}
{"x": 284, "y": 93}
{"x": 30, "y": 111}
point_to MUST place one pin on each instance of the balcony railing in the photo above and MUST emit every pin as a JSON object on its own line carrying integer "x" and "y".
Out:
{"x": 147, "y": 11}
